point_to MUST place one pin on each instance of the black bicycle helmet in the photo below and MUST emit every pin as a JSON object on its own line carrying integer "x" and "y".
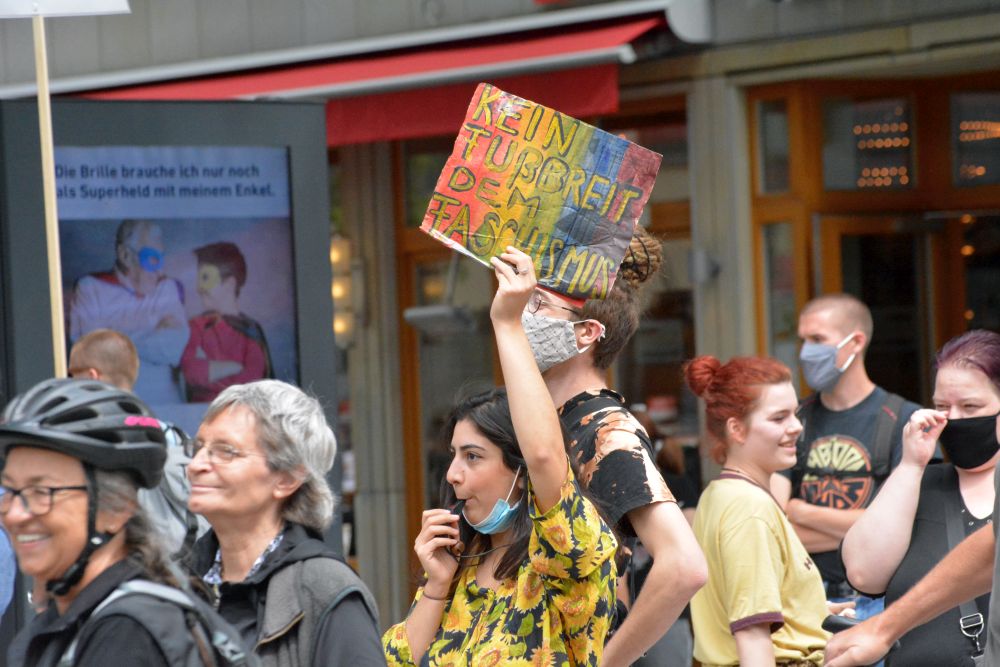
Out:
{"x": 94, "y": 422}
{"x": 102, "y": 426}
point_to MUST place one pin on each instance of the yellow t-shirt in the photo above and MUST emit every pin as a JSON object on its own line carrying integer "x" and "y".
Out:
{"x": 758, "y": 572}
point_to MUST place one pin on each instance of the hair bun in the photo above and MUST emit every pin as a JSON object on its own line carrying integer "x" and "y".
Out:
{"x": 642, "y": 258}
{"x": 699, "y": 373}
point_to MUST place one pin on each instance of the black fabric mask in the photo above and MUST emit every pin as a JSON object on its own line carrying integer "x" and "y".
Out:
{"x": 970, "y": 442}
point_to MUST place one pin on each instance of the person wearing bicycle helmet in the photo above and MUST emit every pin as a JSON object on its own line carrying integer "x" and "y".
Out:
{"x": 74, "y": 454}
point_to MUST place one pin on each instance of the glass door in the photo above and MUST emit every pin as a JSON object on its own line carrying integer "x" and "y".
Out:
{"x": 887, "y": 263}
{"x": 926, "y": 278}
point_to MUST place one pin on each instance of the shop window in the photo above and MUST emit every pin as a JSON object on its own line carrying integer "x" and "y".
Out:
{"x": 980, "y": 251}
{"x": 455, "y": 350}
{"x": 867, "y": 145}
{"x": 773, "y": 146}
{"x": 975, "y": 138}
{"x": 423, "y": 161}
{"x": 649, "y": 370}
{"x": 780, "y": 312}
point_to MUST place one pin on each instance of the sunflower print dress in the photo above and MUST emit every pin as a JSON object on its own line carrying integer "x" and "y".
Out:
{"x": 556, "y": 612}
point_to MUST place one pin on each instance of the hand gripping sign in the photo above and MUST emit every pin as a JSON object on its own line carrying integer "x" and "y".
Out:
{"x": 563, "y": 191}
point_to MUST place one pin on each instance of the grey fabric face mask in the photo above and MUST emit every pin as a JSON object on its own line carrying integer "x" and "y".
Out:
{"x": 552, "y": 340}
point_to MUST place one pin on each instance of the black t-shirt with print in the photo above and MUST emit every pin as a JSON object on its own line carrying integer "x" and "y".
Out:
{"x": 840, "y": 440}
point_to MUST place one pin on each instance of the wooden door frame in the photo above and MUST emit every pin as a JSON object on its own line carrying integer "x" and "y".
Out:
{"x": 946, "y": 287}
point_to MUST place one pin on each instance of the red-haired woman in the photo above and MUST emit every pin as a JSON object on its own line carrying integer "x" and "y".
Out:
{"x": 764, "y": 600}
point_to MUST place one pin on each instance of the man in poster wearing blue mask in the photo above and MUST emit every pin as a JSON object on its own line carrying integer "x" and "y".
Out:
{"x": 851, "y": 438}
{"x": 137, "y": 299}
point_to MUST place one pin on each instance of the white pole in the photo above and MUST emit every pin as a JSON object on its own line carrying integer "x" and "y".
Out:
{"x": 49, "y": 192}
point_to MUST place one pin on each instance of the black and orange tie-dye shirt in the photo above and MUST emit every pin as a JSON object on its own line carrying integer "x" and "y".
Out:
{"x": 613, "y": 455}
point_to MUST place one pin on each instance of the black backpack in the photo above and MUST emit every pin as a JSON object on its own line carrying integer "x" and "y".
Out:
{"x": 203, "y": 640}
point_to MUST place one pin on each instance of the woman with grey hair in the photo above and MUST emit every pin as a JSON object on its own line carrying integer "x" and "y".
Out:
{"x": 258, "y": 475}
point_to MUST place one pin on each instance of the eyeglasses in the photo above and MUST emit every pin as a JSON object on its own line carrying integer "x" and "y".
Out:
{"x": 217, "y": 453}
{"x": 537, "y": 301}
{"x": 34, "y": 499}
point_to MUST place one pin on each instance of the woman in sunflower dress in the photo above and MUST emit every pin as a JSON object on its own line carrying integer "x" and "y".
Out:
{"x": 520, "y": 566}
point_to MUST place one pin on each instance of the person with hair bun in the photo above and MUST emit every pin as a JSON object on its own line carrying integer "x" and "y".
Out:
{"x": 764, "y": 602}
{"x": 574, "y": 343}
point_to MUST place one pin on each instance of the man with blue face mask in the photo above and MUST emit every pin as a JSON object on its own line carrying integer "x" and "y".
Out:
{"x": 851, "y": 440}
{"x": 137, "y": 299}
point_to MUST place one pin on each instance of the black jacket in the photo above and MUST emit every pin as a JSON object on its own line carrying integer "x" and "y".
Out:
{"x": 111, "y": 640}
{"x": 347, "y": 629}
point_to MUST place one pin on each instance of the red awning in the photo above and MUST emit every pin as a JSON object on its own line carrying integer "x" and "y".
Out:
{"x": 424, "y": 92}
{"x": 439, "y": 110}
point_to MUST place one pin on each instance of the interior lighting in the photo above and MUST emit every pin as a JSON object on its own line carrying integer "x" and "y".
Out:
{"x": 340, "y": 291}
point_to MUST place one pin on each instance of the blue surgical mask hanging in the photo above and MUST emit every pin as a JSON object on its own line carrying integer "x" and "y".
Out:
{"x": 501, "y": 516}
{"x": 819, "y": 363}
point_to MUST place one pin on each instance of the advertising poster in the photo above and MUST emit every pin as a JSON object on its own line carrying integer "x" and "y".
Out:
{"x": 564, "y": 192}
{"x": 188, "y": 251}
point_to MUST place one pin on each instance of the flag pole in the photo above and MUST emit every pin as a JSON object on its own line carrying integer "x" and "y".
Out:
{"x": 49, "y": 193}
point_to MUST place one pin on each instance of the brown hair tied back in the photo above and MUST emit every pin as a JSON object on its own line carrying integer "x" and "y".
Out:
{"x": 642, "y": 259}
{"x": 619, "y": 310}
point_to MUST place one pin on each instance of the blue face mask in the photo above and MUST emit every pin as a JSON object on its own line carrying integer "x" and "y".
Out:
{"x": 501, "y": 516}
{"x": 150, "y": 259}
{"x": 819, "y": 364}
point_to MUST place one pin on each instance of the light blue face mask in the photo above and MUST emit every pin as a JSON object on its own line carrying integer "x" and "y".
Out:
{"x": 819, "y": 364}
{"x": 501, "y": 516}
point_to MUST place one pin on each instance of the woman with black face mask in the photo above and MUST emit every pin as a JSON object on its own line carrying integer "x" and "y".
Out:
{"x": 923, "y": 510}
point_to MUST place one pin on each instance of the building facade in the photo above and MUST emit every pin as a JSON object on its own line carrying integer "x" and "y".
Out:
{"x": 842, "y": 145}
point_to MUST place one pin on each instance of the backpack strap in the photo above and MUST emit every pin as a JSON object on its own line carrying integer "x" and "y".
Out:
{"x": 805, "y": 413}
{"x": 885, "y": 427}
{"x": 303, "y": 594}
{"x": 970, "y": 622}
{"x": 217, "y": 643}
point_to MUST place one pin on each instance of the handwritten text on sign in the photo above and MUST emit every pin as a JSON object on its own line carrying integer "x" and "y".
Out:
{"x": 563, "y": 191}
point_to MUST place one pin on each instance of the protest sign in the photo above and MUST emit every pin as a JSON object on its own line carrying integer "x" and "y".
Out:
{"x": 563, "y": 191}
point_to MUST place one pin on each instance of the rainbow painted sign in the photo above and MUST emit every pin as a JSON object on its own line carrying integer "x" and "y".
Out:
{"x": 563, "y": 191}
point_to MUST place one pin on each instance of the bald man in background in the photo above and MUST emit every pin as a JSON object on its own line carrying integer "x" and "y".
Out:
{"x": 110, "y": 356}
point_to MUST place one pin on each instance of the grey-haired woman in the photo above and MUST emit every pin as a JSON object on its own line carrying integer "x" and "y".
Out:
{"x": 257, "y": 473}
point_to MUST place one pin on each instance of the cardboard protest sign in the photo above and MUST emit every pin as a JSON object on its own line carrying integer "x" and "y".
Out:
{"x": 563, "y": 191}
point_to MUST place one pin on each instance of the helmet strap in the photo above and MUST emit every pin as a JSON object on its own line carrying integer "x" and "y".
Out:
{"x": 95, "y": 540}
